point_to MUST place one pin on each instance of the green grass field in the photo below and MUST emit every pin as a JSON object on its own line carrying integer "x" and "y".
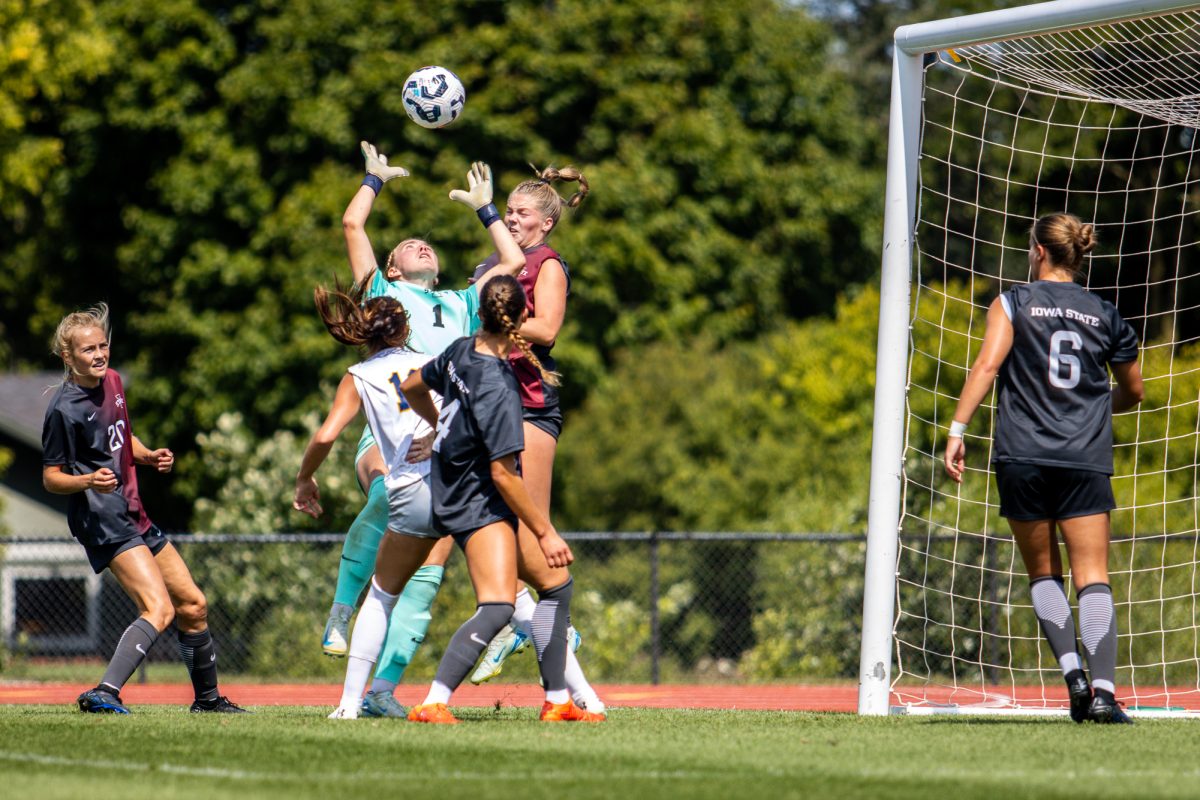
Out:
{"x": 162, "y": 753}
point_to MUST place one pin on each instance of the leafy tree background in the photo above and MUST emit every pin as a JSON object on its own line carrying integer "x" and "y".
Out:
{"x": 188, "y": 162}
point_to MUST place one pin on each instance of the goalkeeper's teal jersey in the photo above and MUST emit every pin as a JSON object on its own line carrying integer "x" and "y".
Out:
{"x": 436, "y": 318}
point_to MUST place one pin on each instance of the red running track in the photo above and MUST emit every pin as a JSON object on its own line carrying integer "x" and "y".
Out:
{"x": 843, "y": 698}
{"x": 758, "y": 698}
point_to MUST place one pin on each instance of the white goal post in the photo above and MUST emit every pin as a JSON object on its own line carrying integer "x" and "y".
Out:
{"x": 1088, "y": 106}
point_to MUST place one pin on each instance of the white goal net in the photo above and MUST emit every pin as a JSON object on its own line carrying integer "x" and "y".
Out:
{"x": 1101, "y": 122}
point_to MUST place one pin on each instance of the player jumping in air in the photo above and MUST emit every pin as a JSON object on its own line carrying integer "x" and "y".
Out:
{"x": 533, "y": 211}
{"x": 1052, "y": 343}
{"x": 436, "y": 318}
{"x": 89, "y": 453}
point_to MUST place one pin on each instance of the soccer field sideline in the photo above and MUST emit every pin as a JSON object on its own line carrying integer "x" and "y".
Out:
{"x": 818, "y": 697}
{"x": 842, "y": 698}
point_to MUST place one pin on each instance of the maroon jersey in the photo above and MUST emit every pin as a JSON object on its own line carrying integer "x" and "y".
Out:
{"x": 535, "y": 393}
{"x": 85, "y": 430}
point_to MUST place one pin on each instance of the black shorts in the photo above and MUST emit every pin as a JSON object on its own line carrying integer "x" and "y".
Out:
{"x": 1032, "y": 491}
{"x": 462, "y": 538}
{"x": 101, "y": 555}
{"x": 548, "y": 419}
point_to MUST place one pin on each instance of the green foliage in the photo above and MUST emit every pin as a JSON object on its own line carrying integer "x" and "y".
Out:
{"x": 190, "y": 165}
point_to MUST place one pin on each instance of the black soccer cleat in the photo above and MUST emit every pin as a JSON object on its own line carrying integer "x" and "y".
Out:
{"x": 1107, "y": 712}
{"x": 1080, "y": 692}
{"x": 101, "y": 701}
{"x": 221, "y": 705}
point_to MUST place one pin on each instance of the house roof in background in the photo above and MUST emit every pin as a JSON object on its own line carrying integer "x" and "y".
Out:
{"x": 23, "y": 401}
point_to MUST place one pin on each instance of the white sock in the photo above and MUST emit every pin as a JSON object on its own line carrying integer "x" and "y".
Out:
{"x": 522, "y": 618}
{"x": 438, "y": 693}
{"x": 380, "y": 685}
{"x": 558, "y": 696}
{"x": 366, "y": 641}
{"x": 581, "y": 691}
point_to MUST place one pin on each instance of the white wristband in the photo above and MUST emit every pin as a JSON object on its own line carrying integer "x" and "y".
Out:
{"x": 957, "y": 429}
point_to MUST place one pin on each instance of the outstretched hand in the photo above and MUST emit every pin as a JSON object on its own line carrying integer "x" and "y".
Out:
{"x": 479, "y": 187}
{"x": 377, "y": 164}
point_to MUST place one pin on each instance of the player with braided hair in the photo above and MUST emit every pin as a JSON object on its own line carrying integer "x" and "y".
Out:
{"x": 533, "y": 212}
{"x": 479, "y": 495}
{"x": 436, "y": 318}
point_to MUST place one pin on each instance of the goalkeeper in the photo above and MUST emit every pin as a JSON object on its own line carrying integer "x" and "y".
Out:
{"x": 1052, "y": 344}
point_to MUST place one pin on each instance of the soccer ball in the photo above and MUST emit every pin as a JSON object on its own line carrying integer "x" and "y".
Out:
{"x": 433, "y": 97}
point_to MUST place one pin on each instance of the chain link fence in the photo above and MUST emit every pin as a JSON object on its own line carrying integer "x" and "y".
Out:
{"x": 651, "y": 607}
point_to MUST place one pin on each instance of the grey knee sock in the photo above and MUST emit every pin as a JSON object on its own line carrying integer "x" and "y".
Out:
{"x": 1098, "y": 630}
{"x": 470, "y": 640}
{"x": 1054, "y": 614}
{"x": 550, "y": 619}
{"x": 133, "y": 646}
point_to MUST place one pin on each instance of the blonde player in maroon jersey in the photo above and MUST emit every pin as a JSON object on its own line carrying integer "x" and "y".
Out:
{"x": 1052, "y": 344}
{"x": 88, "y": 453}
{"x": 533, "y": 211}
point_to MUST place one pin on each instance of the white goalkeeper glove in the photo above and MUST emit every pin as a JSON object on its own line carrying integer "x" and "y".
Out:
{"x": 479, "y": 187}
{"x": 377, "y": 164}
{"x": 479, "y": 193}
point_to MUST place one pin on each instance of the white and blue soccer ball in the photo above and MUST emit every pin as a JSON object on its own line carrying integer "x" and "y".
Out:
{"x": 434, "y": 97}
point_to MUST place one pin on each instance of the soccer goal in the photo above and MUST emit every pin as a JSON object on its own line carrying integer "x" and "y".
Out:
{"x": 1091, "y": 108}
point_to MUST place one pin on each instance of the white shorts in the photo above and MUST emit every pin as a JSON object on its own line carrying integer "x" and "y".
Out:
{"x": 410, "y": 510}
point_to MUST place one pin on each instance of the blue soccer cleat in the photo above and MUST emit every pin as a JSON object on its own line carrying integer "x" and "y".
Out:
{"x": 336, "y": 641}
{"x": 504, "y": 644}
{"x": 382, "y": 704}
{"x": 101, "y": 701}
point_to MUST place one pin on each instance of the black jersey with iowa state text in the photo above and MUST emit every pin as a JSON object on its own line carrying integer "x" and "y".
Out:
{"x": 1055, "y": 400}
{"x": 85, "y": 430}
{"x": 480, "y": 423}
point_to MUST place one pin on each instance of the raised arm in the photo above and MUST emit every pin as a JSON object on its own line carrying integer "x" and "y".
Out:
{"x": 478, "y": 196}
{"x": 997, "y": 342}
{"x": 346, "y": 405}
{"x": 354, "y": 221}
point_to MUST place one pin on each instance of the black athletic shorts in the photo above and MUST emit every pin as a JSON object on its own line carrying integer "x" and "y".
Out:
{"x": 1032, "y": 491}
{"x": 100, "y": 556}
{"x": 548, "y": 419}
{"x": 461, "y": 539}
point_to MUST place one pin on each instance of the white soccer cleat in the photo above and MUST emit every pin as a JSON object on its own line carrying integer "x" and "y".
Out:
{"x": 593, "y": 704}
{"x": 382, "y": 704}
{"x": 344, "y": 713}
{"x": 337, "y": 634}
{"x": 504, "y": 644}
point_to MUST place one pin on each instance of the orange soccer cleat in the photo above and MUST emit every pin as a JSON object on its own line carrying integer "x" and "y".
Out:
{"x": 435, "y": 713}
{"x": 567, "y": 712}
